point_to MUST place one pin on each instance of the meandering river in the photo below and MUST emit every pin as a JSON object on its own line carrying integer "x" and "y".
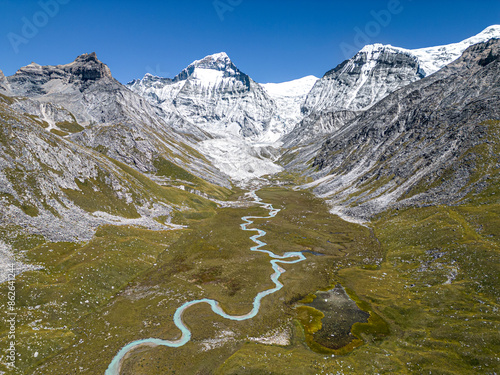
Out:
{"x": 114, "y": 367}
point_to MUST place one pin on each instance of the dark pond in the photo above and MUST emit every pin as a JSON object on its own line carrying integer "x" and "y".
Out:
{"x": 341, "y": 312}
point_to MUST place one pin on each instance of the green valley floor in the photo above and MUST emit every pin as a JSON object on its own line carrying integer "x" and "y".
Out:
{"x": 425, "y": 278}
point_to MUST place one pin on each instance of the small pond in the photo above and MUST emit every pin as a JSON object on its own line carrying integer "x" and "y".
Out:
{"x": 341, "y": 312}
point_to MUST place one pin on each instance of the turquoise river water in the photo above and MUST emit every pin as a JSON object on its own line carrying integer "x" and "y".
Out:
{"x": 114, "y": 366}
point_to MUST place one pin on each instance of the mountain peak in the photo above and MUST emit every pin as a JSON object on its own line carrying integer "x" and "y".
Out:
{"x": 87, "y": 57}
{"x": 220, "y": 56}
{"x": 217, "y": 61}
{"x": 434, "y": 58}
{"x": 373, "y": 50}
{"x": 88, "y": 67}
{"x": 493, "y": 30}
{"x": 210, "y": 67}
{"x": 375, "y": 47}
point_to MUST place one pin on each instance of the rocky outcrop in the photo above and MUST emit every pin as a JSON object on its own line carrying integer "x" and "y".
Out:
{"x": 316, "y": 126}
{"x": 85, "y": 87}
{"x": 87, "y": 68}
{"x": 36, "y": 80}
{"x": 4, "y": 84}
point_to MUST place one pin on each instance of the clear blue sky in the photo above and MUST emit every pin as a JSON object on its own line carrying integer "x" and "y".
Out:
{"x": 272, "y": 41}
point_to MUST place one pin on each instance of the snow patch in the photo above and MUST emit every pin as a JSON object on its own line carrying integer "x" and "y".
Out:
{"x": 288, "y": 97}
{"x": 238, "y": 158}
{"x": 208, "y": 77}
{"x": 276, "y": 337}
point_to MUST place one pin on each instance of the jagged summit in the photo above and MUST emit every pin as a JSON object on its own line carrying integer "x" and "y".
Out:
{"x": 376, "y": 47}
{"x": 379, "y": 69}
{"x": 218, "y": 61}
{"x": 211, "y": 68}
{"x": 92, "y": 56}
{"x": 214, "y": 95}
{"x": 221, "y": 56}
{"x": 431, "y": 59}
{"x": 87, "y": 67}
{"x": 372, "y": 55}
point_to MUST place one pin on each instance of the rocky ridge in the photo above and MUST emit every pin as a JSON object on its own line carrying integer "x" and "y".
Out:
{"x": 358, "y": 83}
{"x": 44, "y": 179}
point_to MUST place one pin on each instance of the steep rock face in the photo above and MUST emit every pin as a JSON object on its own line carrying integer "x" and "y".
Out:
{"x": 398, "y": 152}
{"x": 85, "y": 87}
{"x": 87, "y": 68}
{"x": 36, "y": 80}
{"x": 3, "y": 83}
{"x": 214, "y": 95}
{"x": 363, "y": 80}
{"x": 317, "y": 125}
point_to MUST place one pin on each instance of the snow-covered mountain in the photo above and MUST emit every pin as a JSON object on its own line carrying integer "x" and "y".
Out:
{"x": 243, "y": 117}
{"x": 213, "y": 122}
{"x": 432, "y": 59}
{"x": 363, "y": 80}
{"x": 289, "y": 97}
{"x": 214, "y": 95}
{"x": 377, "y": 70}
{"x": 428, "y": 142}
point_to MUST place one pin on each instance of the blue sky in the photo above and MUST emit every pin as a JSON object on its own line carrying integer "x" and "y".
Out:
{"x": 272, "y": 41}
